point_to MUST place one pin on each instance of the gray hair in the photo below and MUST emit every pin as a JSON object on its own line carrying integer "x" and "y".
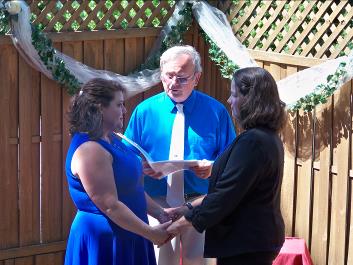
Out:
{"x": 175, "y": 51}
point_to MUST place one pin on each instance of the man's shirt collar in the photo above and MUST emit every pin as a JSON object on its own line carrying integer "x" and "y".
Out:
{"x": 188, "y": 103}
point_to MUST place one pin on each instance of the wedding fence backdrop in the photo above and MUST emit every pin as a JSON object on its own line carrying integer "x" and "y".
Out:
{"x": 283, "y": 36}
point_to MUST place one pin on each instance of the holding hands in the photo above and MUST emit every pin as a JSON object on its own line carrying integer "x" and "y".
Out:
{"x": 172, "y": 221}
{"x": 159, "y": 234}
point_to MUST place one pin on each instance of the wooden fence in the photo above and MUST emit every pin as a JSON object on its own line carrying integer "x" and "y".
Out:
{"x": 36, "y": 210}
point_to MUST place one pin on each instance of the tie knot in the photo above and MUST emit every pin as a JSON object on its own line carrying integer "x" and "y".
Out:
{"x": 180, "y": 107}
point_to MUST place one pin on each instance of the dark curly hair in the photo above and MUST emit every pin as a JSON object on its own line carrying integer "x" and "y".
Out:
{"x": 85, "y": 110}
{"x": 259, "y": 103}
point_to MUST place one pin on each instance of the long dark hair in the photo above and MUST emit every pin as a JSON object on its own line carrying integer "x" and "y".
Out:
{"x": 259, "y": 103}
{"x": 85, "y": 110}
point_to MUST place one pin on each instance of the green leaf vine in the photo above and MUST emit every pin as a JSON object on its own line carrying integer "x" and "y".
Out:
{"x": 226, "y": 66}
{"x": 61, "y": 74}
{"x": 322, "y": 91}
{"x": 54, "y": 64}
{"x": 4, "y": 19}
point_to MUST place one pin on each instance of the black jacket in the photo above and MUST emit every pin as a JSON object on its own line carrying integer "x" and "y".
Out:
{"x": 241, "y": 212}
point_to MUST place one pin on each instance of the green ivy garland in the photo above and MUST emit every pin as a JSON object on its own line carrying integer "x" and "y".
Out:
{"x": 55, "y": 65}
{"x": 321, "y": 92}
{"x": 61, "y": 74}
{"x": 227, "y": 67}
{"x": 4, "y": 21}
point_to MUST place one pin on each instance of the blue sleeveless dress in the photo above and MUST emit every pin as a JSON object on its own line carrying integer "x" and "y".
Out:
{"x": 94, "y": 239}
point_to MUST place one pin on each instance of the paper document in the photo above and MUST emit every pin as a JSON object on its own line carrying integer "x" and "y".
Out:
{"x": 166, "y": 167}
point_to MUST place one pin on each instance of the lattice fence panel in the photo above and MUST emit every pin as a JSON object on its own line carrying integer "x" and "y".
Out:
{"x": 311, "y": 28}
{"x": 61, "y": 15}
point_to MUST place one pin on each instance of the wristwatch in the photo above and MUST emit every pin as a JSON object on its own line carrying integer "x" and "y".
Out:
{"x": 189, "y": 205}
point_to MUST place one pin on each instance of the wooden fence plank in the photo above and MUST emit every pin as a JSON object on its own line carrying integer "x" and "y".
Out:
{"x": 51, "y": 160}
{"x": 29, "y": 163}
{"x": 8, "y": 156}
{"x": 350, "y": 236}
{"x": 25, "y": 261}
{"x": 33, "y": 250}
{"x": 275, "y": 70}
{"x": 50, "y": 259}
{"x": 149, "y": 41}
{"x": 130, "y": 64}
{"x": 114, "y": 59}
{"x": 213, "y": 73}
{"x": 340, "y": 183}
{"x": 319, "y": 237}
{"x": 288, "y": 183}
{"x": 92, "y": 54}
{"x": 207, "y": 75}
{"x": 140, "y": 58}
{"x": 302, "y": 215}
{"x": 114, "y": 56}
{"x": 224, "y": 86}
{"x": 8, "y": 262}
{"x": 73, "y": 49}
{"x": 202, "y": 50}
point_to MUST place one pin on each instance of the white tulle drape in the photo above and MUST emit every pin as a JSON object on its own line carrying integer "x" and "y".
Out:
{"x": 21, "y": 36}
{"x": 215, "y": 25}
{"x": 293, "y": 87}
{"x": 297, "y": 85}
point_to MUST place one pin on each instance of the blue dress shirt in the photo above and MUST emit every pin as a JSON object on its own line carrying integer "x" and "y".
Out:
{"x": 208, "y": 131}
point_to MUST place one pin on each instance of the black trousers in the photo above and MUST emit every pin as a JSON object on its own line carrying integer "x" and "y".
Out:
{"x": 254, "y": 258}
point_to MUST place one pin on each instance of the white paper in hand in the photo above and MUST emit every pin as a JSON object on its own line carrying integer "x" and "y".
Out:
{"x": 165, "y": 167}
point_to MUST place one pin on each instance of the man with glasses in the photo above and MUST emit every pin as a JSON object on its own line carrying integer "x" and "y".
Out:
{"x": 207, "y": 130}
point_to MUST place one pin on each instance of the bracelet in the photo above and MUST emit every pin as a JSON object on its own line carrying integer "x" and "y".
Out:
{"x": 189, "y": 205}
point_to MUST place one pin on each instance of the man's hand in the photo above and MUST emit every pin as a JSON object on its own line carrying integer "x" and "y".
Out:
{"x": 203, "y": 170}
{"x": 147, "y": 170}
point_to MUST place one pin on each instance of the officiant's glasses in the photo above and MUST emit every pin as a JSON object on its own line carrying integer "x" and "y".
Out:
{"x": 181, "y": 80}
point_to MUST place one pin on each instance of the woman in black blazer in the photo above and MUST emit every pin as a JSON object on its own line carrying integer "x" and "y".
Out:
{"x": 241, "y": 213}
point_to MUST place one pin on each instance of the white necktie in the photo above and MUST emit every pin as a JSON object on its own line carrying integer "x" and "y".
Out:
{"x": 175, "y": 187}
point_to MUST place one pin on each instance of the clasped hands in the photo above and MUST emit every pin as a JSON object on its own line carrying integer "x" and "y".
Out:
{"x": 172, "y": 219}
{"x": 171, "y": 222}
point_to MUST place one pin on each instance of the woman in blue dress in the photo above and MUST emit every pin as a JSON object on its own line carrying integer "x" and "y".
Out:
{"x": 105, "y": 183}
